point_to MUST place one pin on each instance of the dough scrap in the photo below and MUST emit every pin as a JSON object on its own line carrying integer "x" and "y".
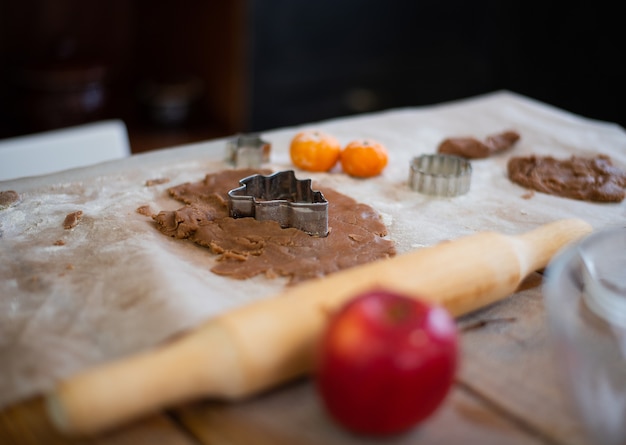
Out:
{"x": 72, "y": 219}
{"x": 472, "y": 148}
{"x": 8, "y": 197}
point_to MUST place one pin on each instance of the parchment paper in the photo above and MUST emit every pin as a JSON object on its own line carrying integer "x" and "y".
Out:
{"x": 118, "y": 286}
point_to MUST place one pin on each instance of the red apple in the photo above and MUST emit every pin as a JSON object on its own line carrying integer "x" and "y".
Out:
{"x": 386, "y": 362}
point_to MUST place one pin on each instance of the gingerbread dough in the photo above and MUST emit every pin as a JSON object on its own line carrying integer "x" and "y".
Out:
{"x": 585, "y": 179}
{"x": 472, "y": 148}
{"x": 247, "y": 247}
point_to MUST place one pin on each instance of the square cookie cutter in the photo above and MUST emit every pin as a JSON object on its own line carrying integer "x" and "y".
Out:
{"x": 247, "y": 151}
{"x": 283, "y": 198}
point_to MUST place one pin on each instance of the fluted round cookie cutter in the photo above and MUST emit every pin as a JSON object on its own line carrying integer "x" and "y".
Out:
{"x": 440, "y": 175}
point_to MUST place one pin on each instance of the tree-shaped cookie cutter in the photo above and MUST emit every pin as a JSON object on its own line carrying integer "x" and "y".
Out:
{"x": 283, "y": 198}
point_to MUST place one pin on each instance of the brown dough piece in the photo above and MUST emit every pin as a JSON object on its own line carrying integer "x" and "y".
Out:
{"x": 144, "y": 210}
{"x": 8, "y": 197}
{"x": 72, "y": 219}
{"x": 157, "y": 181}
{"x": 472, "y": 148}
{"x": 585, "y": 179}
{"x": 247, "y": 247}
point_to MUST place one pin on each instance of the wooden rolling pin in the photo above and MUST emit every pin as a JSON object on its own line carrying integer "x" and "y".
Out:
{"x": 263, "y": 344}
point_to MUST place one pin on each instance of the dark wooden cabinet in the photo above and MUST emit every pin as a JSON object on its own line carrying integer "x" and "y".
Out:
{"x": 172, "y": 71}
{"x": 178, "y": 72}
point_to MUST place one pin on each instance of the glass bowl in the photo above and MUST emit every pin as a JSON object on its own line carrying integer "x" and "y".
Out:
{"x": 585, "y": 296}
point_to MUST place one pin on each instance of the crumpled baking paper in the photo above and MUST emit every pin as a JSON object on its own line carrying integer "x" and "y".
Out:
{"x": 114, "y": 285}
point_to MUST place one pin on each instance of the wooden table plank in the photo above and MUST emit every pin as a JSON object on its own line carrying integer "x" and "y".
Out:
{"x": 508, "y": 360}
{"x": 28, "y": 426}
{"x": 159, "y": 429}
{"x": 294, "y": 415}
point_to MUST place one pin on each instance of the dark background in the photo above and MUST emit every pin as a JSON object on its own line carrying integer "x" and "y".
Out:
{"x": 309, "y": 63}
{"x": 182, "y": 71}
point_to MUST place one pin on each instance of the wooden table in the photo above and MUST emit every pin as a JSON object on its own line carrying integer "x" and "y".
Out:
{"x": 508, "y": 389}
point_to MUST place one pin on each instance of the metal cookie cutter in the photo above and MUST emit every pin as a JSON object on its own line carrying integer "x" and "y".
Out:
{"x": 247, "y": 151}
{"x": 440, "y": 175}
{"x": 283, "y": 198}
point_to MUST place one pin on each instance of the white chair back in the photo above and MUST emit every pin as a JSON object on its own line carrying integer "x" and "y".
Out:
{"x": 57, "y": 150}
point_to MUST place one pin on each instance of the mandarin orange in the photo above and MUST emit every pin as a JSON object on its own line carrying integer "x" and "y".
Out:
{"x": 314, "y": 151}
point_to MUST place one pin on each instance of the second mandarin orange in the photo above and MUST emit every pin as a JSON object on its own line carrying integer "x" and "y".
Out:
{"x": 364, "y": 158}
